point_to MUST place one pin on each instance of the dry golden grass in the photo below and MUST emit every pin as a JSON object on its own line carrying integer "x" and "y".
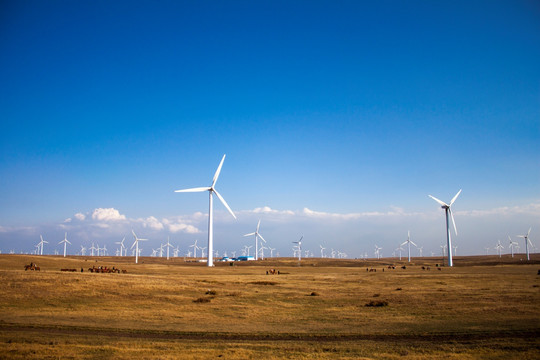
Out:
{"x": 484, "y": 307}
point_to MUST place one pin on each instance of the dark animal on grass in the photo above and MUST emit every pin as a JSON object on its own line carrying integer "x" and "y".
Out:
{"x": 70, "y": 270}
{"x": 32, "y": 266}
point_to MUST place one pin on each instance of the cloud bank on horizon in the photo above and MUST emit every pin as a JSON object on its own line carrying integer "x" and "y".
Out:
{"x": 353, "y": 233}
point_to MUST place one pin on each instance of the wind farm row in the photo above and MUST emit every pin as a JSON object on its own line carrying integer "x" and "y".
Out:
{"x": 260, "y": 245}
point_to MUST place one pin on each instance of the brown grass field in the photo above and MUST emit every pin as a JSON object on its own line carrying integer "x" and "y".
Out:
{"x": 482, "y": 308}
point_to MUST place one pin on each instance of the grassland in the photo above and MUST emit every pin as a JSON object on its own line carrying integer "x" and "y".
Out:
{"x": 483, "y": 308}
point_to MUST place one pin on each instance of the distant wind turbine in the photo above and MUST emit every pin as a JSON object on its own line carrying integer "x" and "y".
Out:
{"x": 168, "y": 246}
{"x": 257, "y": 236}
{"x": 499, "y": 248}
{"x": 378, "y": 251}
{"x": 65, "y": 241}
{"x": 322, "y": 251}
{"x": 299, "y": 242}
{"x": 41, "y": 244}
{"x": 408, "y": 242}
{"x": 211, "y": 190}
{"x": 448, "y": 210}
{"x": 136, "y": 244}
{"x": 512, "y": 245}
{"x": 527, "y": 242}
{"x": 121, "y": 243}
{"x": 195, "y": 247}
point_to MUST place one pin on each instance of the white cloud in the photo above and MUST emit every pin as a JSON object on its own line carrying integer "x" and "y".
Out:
{"x": 80, "y": 216}
{"x": 152, "y": 223}
{"x": 107, "y": 214}
{"x": 180, "y": 225}
{"x": 68, "y": 220}
{"x": 529, "y": 209}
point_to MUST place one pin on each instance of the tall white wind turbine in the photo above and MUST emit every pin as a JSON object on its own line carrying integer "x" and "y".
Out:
{"x": 195, "y": 247}
{"x": 65, "y": 241}
{"x": 378, "y": 251}
{"x": 448, "y": 211}
{"x": 136, "y": 244}
{"x": 41, "y": 244}
{"x": 211, "y": 190}
{"x": 168, "y": 245}
{"x": 512, "y": 244}
{"x": 122, "y": 247}
{"x": 257, "y": 235}
{"x": 322, "y": 251}
{"x": 299, "y": 242}
{"x": 408, "y": 242}
{"x": 527, "y": 242}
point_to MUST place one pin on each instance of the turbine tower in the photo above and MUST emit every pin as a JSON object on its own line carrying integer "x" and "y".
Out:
{"x": 408, "y": 242}
{"x": 527, "y": 242}
{"x": 168, "y": 245}
{"x": 211, "y": 190}
{"x": 512, "y": 244}
{"x": 448, "y": 211}
{"x": 136, "y": 244}
{"x": 257, "y": 235}
{"x": 121, "y": 243}
{"x": 65, "y": 241}
{"x": 299, "y": 242}
{"x": 41, "y": 244}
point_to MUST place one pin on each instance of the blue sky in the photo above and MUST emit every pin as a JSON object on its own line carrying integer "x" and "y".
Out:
{"x": 337, "y": 118}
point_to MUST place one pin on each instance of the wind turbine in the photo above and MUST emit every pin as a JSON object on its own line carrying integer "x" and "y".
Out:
{"x": 211, "y": 190}
{"x": 420, "y": 250}
{"x": 257, "y": 235}
{"x": 408, "y": 242}
{"x": 65, "y": 241}
{"x": 195, "y": 247}
{"x": 41, "y": 244}
{"x": 136, "y": 244}
{"x": 399, "y": 249}
{"x": 378, "y": 251}
{"x": 121, "y": 243}
{"x": 92, "y": 248}
{"x": 499, "y": 247}
{"x": 527, "y": 242}
{"x": 168, "y": 245}
{"x": 299, "y": 242}
{"x": 322, "y": 251}
{"x": 83, "y": 250}
{"x": 512, "y": 244}
{"x": 448, "y": 210}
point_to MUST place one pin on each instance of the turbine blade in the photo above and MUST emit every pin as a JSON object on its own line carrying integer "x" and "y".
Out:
{"x": 261, "y": 237}
{"x": 258, "y": 224}
{"x": 250, "y": 234}
{"x": 133, "y": 244}
{"x": 404, "y": 243}
{"x": 455, "y": 197}
{"x": 453, "y": 221}
{"x": 529, "y": 232}
{"x": 198, "y": 189}
{"x": 414, "y": 244}
{"x": 68, "y": 242}
{"x": 216, "y": 175}
{"x": 439, "y": 201}
{"x": 224, "y": 203}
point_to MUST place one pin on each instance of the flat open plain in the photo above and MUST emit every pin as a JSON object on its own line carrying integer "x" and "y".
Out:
{"x": 483, "y": 308}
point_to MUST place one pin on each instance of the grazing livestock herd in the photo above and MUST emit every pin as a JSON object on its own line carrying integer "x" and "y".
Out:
{"x": 93, "y": 269}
